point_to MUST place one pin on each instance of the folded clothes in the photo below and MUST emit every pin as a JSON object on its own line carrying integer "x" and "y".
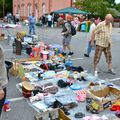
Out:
{"x": 47, "y": 88}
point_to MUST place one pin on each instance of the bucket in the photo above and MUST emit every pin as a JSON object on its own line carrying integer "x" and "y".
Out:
{"x": 27, "y": 89}
{"x": 6, "y": 106}
{"x": 45, "y": 55}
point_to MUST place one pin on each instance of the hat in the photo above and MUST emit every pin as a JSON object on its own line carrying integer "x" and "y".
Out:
{"x": 60, "y": 19}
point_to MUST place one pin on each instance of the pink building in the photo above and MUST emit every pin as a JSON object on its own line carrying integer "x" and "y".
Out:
{"x": 25, "y": 7}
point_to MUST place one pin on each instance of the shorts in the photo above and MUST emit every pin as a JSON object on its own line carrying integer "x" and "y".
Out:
{"x": 107, "y": 53}
{"x": 67, "y": 40}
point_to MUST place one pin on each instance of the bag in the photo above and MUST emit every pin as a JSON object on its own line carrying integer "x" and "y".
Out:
{"x": 73, "y": 30}
{"x": 62, "y": 84}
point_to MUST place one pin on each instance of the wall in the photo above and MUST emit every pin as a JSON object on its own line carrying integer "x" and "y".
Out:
{"x": 39, "y": 7}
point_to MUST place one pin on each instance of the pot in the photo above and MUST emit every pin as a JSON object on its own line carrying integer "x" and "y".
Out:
{"x": 27, "y": 89}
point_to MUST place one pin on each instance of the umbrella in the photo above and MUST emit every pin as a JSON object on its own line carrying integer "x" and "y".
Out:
{"x": 70, "y": 10}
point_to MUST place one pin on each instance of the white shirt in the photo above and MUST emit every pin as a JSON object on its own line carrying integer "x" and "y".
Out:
{"x": 49, "y": 17}
{"x": 92, "y": 27}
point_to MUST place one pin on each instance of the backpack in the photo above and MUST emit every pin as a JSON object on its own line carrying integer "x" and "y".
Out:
{"x": 73, "y": 30}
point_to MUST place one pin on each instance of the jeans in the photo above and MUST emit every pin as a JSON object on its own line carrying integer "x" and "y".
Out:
{"x": 2, "y": 101}
{"x": 32, "y": 28}
{"x": 89, "y": 48}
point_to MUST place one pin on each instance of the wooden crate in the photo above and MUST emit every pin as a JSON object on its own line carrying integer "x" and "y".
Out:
{"x": 1, "y": 38}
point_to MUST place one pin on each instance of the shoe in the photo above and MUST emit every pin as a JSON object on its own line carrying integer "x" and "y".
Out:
{"x": 111, "y": 72}
{"x": 96, "y": 73}
{"x": 79, "y": 115}
{"x": 86, "y": 55}
{"x": 70, "y": 53}
{"x": 63, "y": 53}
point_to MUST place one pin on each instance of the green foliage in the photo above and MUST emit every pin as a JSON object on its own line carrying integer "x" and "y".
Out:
{"x": 8, "y": 6}
{"x": 113, "y": 11}
{"x": 97, "y": 7}
{"x": 117, "y": 7}
{"x": 111, "y": 3}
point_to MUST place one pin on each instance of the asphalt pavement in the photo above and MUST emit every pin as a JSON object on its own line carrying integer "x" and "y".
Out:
{"x": 20, "y": 110}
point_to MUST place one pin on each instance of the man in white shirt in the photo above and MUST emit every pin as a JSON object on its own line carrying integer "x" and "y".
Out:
{"x": 92, "y": 27}
{"x": 50, "y": 20}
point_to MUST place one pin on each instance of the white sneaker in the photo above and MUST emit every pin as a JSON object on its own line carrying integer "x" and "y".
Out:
{"x": 96, "y": 73}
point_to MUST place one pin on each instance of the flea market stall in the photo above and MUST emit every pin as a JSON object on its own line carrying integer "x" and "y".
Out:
{"x": 57, "y": 89}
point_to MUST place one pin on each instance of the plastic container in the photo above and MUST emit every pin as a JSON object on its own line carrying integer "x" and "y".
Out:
{"x": 7, "y": 106}
{"x": 68, "y": 63}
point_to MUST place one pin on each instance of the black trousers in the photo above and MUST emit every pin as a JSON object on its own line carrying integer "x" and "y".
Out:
{"x": 2, "y": 101}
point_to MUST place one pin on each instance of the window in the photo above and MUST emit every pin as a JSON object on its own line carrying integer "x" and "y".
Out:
{"x": 29, "y": 9}
{"x": 43, "y": 8}
{"x": 22, "y": 10}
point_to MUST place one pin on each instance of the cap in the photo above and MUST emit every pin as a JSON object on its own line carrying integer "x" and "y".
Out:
{"x": 59, "y": 19}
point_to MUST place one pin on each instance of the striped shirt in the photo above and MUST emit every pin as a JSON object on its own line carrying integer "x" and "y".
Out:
{"x": 103, "y": 34}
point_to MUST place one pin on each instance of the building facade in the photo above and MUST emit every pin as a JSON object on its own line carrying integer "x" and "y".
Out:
{"x": 26, "y": 7}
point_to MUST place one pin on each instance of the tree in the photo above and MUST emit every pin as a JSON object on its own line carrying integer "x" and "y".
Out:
{"x": 8, "y": 6}
{"x": 111, "y": 3}
{"x": 95, "y": 7}
{"x": 118, "y": 7}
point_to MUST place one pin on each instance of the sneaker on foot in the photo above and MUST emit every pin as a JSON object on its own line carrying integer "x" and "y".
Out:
{"x": 70, "y": 53}
{"x": 96, "y": 73}
{"x": 111, "y": 72}
{"x": 86, "y": 55}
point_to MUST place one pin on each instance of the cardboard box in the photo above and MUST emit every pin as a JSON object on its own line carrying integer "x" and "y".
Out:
{"x": 105, "y": 97}
{"x": 1, "y": 37}
{"x": 53, "y": 114}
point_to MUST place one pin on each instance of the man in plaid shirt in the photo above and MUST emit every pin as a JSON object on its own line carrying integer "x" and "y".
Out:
{"x": 103, "y": 42}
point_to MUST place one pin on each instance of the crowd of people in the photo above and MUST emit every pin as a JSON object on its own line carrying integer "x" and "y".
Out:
{"x": 99, "y": 39}
{"x": 9, "y": 18}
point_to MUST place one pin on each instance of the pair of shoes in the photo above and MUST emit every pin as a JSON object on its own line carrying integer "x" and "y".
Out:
{"x": 86, "y": 55}
{"x": 70, "y": 53}
{"x": 63, "y": 53}
{"x": 79, "y": 115}
{"x": 111, "y": 72}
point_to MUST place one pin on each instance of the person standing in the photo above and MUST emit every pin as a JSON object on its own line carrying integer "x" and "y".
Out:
{"x": 32, "y": 22}
{"x": 44, "y": 20}
{"x": 89, "y": 48}
{"x": 103, "y": 42}
{"x": 66, "y": 33}
{"x": 3, "y": 79}
{"x": 17, "y": 18}
{"x": 50, "y": 18}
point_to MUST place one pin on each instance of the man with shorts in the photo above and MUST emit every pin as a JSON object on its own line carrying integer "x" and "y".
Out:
{"x": 66, "y": 33}
{"x": 103, "y": 42}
